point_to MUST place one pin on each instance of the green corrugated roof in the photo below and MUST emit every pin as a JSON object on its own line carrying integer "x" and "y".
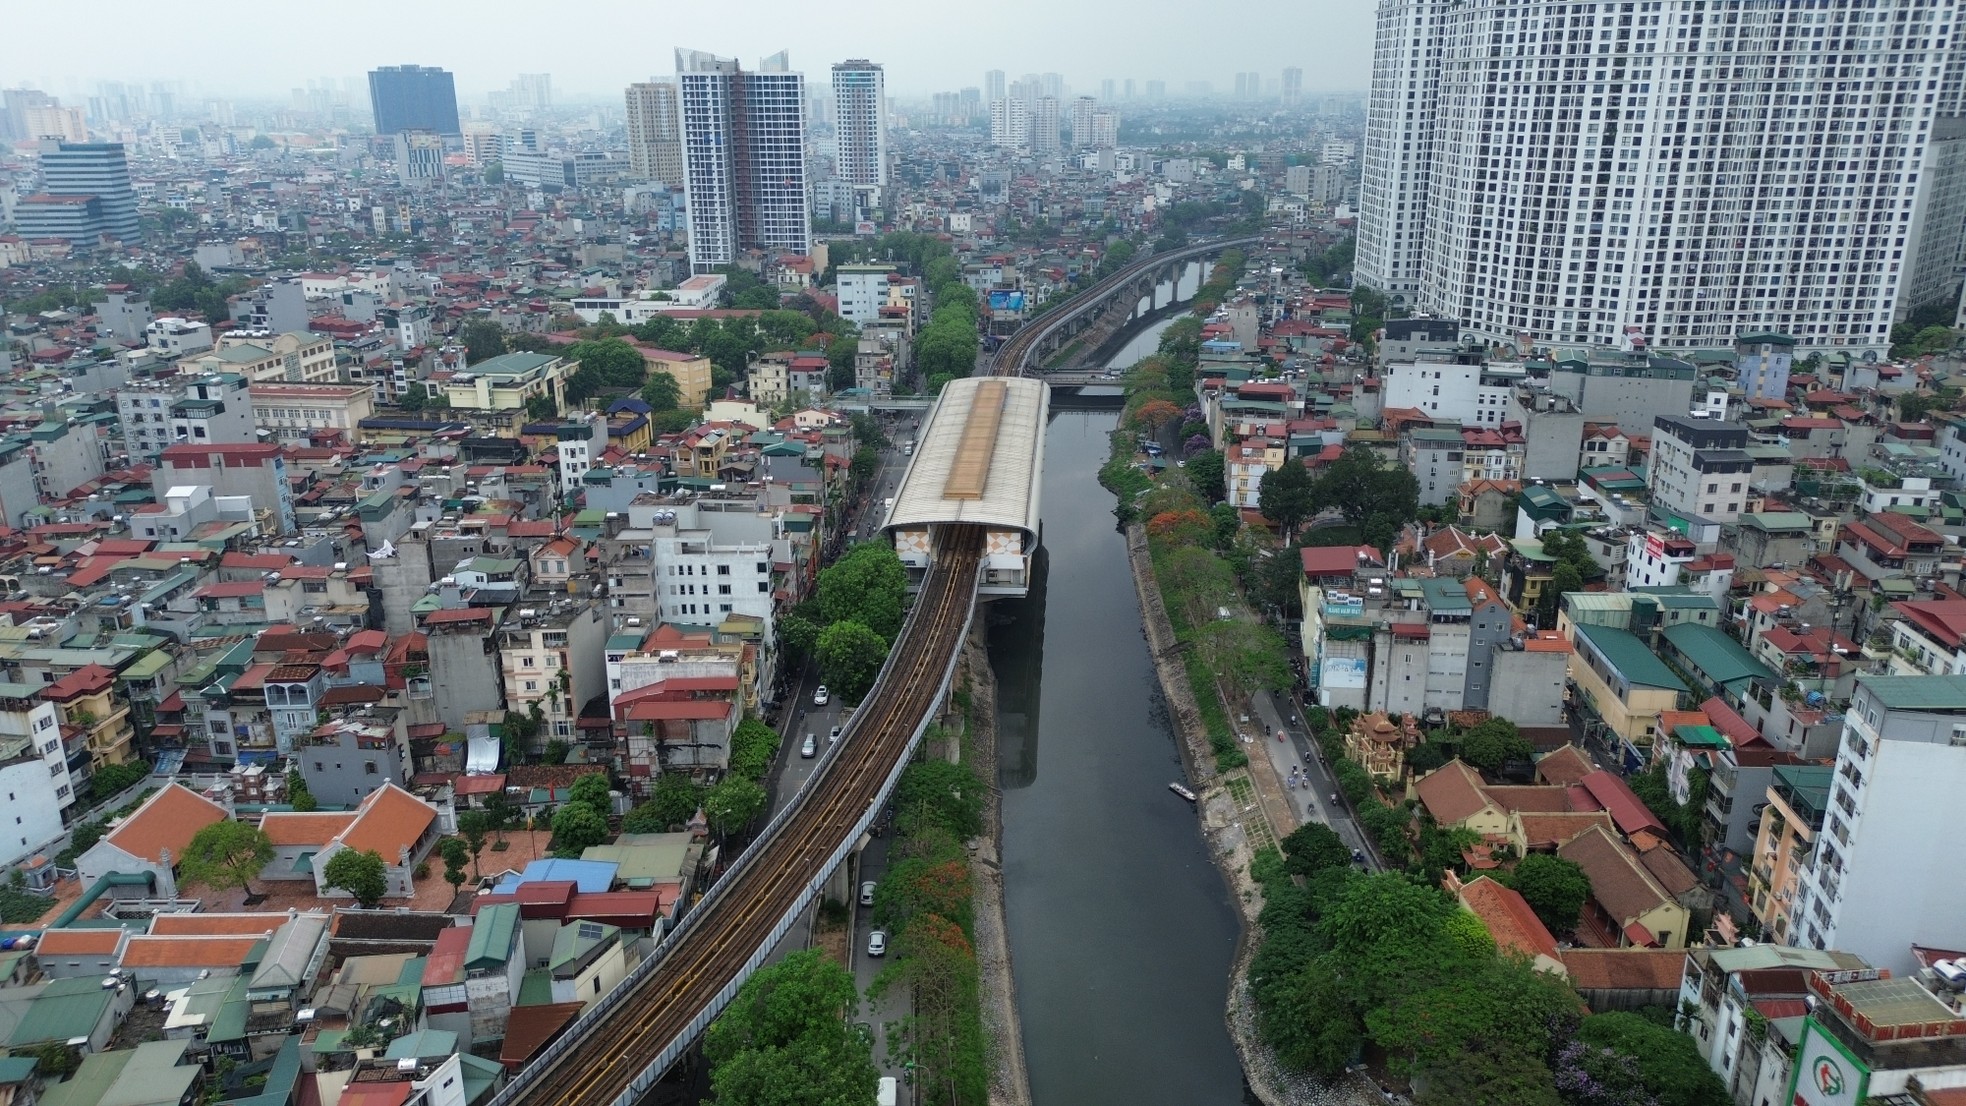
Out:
{"x": 66, "y": 1008}
{"x": 1918, "y": 692}
{"x": 536, "y": 988}
{"x": 1699, "y": 737}
{"x": 1718, "y": 658}
{"x": 1631, "y": 658}
{"x": 491, "y": 935}
{"x": 1446, "y": 596}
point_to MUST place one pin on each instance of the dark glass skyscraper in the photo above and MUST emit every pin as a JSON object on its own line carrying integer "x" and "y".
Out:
{"x": 413, "y": 98}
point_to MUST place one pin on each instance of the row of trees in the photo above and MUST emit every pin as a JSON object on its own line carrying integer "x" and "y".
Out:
{"x": 924, "y": 900}
{"x": 1351, "y": 960}
{"x": 857, "y": 614}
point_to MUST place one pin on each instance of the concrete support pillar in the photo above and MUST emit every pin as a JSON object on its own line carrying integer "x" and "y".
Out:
{"x": 839, "y": 885}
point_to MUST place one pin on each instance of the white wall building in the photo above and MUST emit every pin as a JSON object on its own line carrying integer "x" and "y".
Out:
{"x": 1883, "y": 877}
{"x": 1451, "y": 387}
{"x": 863, "y": 292}
{"x": 743, "y": 157}
{"x": 709, "y": 566}
{"x": 860, "y": 130}
{"x": 1585, "y": 169}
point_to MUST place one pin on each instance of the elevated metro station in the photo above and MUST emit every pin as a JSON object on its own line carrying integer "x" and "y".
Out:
{"x": 979, "y": 460}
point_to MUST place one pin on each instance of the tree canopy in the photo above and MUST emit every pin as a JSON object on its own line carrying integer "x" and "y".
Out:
{"x": 1285, "y": 496}
{"x": 1374, "y": 497}
{"x": 226, "y": 854}
{"x": 361, "y": 873}
{"x": 577, "y": 827}
{"x": 1554, "y": 888}
{"x": 787, "y": 1039}
{"x": 850, "y": 657}
{"x": 868, "y": 586}
{"x": 950, "y": 794}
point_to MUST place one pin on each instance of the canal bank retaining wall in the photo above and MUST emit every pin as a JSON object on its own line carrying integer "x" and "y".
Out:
{"x": 1222, "y": 815}
{"x": 1009, "y": 1083}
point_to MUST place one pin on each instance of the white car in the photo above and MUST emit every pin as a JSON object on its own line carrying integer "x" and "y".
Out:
{"x": 867, "y": 893}
{"x": 877, "y": 943}
{"x": 820, "y": 695}
{"x": 834, "y": 736}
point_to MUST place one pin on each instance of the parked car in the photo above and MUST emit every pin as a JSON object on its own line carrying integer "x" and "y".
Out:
{"x": 877, "y": 943}
{"x": 811, "y": 747}
{"x": 834, "y": 736}
{"x": 867, "y": 893}
{"x": 820, "y": 695}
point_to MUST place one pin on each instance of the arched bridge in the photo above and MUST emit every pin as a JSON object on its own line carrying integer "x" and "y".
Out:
{"x": 1095, "y": 307}
{"x": 969, "y": 504}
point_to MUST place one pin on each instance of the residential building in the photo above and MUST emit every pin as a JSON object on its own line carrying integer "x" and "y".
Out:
{"x": 860, "y": 131}
{"x": 64, "y": 456}
{"x": 88, "y": 701}
{"x": 346, "y": 759}
{"x": 1438, "y": 84}
{"x": 419, "y": 156}
{"x": 299, "y": 357}
{"x": 743, "y": 158}
{"x": 257, "y": 472}
{"x": 1699, "y": 468}
{"x": 675, "y": 702}
{"x": 1784, "y": 840}
{"x": 301, "y": 412}
{"x": 1045, "y": 126}
{"x": 1762, "y": 364}
{"x": 711, "y": 565}
{"x": 691, "y": 372}
{"x": 1879, "y": 881}
{"x": 1621, "y": 685}
{"x": 85, "y": 195}
{"x": 551, "y": 663}
{"x": 1929, "y": 637}
{"x": 1887, "y": 545}
{"x": 413, "y": 98}
{"x": 510, "y": 381}
{"x": 1460, "y": 386}
{"x": 1726, "y": 989}
{"x": 655, "y": 132}
{"x": 34, "y": 807}
{"x": 64, "y": 755}
{"x": 862, "y": 291}
{"x": 175, "y": 337}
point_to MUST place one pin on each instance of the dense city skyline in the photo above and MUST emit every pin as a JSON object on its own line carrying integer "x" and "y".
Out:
{"x": 1330, "y": 39}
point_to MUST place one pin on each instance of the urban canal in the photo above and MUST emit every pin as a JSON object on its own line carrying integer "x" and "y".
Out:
{"x": 1121, "y": 928}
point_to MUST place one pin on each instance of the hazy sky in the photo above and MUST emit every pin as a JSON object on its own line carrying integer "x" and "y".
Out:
{"x": 601, "y": 45}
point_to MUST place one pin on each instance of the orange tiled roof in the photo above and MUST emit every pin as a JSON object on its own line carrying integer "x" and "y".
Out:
{"x": 1509, "y": 919}
{"x": 79, "y": 942}
{"x": 167, "y": 820}
{"x": 215, "y": 925}
{"x": 188, "y": 952}
{"x": 311, "y": 828}
{"x": 391, "y": 819}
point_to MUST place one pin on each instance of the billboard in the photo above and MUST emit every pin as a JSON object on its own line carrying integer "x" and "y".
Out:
{"x": 1342, "y": 672}
{"x": 1826, "y": 1074}
{"x": 1011, "y": 302}
{"x": 865, "y": 229}
{"x": 1655, "y": 547}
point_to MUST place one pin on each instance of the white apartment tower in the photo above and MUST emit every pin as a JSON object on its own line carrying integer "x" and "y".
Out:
{"x": 1044, "y": 125}
{"x": 1081, "y": 121}
{"x": 860, "y": 130}
{"x": 993, "y": 86}
{"x": 744, "y": 167}
{"x": 1883, "y": 876}
{"x": 1680, "y": 170}
{"x": 1010, "y": 123}
{"x": 655, "y": 133}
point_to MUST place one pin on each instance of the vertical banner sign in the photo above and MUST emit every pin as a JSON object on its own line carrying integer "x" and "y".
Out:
{"x": 1826, "y": 1074}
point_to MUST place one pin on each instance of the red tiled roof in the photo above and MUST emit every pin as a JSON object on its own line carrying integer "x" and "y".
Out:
{"x": 1509, "y": 919}
{"x": 188, "y": 952}
{"x": 167, "y": 820}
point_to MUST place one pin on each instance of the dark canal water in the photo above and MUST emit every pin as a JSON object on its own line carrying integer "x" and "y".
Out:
{"x": 1121, "y": 928}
